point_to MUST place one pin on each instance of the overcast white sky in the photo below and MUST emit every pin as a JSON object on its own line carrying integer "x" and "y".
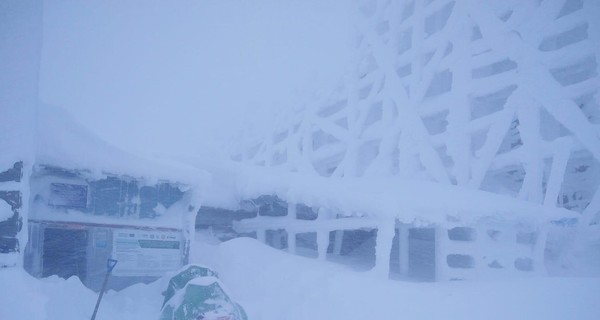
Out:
{"x": 179, "y": 76}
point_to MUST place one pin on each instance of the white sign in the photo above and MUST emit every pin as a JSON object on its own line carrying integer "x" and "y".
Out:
{"x": 146, "y": 253}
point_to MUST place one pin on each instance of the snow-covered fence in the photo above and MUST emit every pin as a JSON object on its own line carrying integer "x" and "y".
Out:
{"x": 493, "y": 248}
{"x": 460, "y": 253}
{"x": 487, "y": 251}
{"x": 322, "y": 227}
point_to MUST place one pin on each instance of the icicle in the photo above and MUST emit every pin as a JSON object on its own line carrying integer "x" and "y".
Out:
{"x": 383, "y": 248}
{"x": 322, "y": 243}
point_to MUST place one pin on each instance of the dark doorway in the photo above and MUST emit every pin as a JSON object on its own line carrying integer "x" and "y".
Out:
{"x": 421, "y": 254}
{"x": 64, "y": 253}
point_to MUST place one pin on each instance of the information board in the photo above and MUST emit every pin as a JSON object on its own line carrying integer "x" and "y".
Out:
{"x": 68, "y": 195}
{"x": 146, "y": 253}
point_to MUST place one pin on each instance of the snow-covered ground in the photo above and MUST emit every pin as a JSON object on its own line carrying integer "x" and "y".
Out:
{"x": 272, "y": 284}
{"x": 493, "y": 106}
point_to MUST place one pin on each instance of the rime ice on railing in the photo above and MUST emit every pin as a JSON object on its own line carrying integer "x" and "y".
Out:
{"x": 495, "y": 95}
{"x": 501, "y": 96}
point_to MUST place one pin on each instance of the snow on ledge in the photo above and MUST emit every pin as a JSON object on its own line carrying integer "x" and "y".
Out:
{"x": 392, "y": 198}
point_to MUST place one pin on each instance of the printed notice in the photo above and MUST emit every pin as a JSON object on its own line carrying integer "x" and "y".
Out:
{"x": 146, "y": 253}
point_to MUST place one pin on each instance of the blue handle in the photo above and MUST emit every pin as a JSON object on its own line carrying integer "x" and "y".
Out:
{"x": 110, "y": 264}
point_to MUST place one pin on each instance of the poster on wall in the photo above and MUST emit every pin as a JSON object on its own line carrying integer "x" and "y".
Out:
{"x": 146, "y": 252}
{"x": 68, "y": 195}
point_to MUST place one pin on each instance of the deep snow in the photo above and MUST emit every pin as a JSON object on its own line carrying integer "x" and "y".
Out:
{"x": 272, "y": 284}
{"x": 82, "y": 50}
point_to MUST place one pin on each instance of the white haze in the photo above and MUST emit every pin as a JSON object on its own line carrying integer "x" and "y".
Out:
{"x": 182, "y": 77}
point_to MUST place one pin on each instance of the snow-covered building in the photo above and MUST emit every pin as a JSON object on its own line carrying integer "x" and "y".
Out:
{"x": 84, "y": 201}
{"x": 90, "y": 202}
{"x": 462, "y": 142}
{"x": 69, "y": 201}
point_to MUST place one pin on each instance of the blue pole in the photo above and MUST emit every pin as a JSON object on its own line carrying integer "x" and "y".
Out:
{"x": 110, "y": 265}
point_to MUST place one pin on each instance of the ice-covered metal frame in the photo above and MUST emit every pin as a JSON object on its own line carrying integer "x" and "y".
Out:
{"x": 500, "y": 96}
{"x": 494, "y": 95}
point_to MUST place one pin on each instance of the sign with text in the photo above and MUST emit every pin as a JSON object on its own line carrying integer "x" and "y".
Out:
{"x": 68, "y": 195}
{"x": 146, "y": 253}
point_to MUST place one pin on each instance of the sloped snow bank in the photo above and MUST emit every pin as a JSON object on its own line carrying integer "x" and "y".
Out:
{"x": 25, "y": 297}
{"x": 272, "y": 284}
{"x": 21, "y": 296}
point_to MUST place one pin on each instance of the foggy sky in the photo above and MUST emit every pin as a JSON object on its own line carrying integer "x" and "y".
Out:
{"x": 179, "y": 77}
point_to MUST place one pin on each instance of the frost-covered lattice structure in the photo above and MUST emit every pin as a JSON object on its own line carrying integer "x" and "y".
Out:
{"x": 499, "y": 96}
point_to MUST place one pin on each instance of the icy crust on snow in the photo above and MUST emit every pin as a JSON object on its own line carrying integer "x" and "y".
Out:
{"x": 62, "y": 142}
{"x": 379, "y": 198}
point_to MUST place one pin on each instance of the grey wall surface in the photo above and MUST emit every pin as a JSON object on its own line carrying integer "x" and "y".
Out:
{"x": 20, "y": 55}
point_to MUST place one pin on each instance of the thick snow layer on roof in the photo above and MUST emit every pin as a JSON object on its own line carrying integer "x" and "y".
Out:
{"x": 407, "y": 200}
{"x": 62, "y": 142}
{"x": 221, "y": 192}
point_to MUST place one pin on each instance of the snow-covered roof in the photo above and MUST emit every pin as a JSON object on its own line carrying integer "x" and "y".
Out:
{"x": 62, "y": 142}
